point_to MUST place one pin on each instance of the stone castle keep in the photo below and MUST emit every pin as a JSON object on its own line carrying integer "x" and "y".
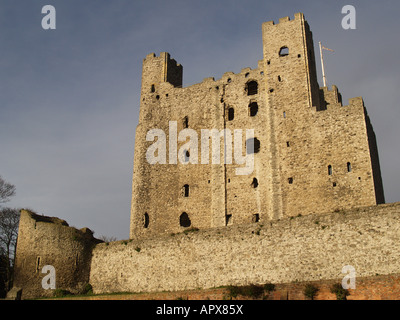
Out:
{"x": 313, "y": 155}
{"x": 312, "y": 203}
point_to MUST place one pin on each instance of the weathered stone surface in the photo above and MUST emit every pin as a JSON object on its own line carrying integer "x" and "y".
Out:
{"x": 14, "y": 294}
{"x": 316, "y": 155}
{"x": 299, "y": 249}
{"x": 50, "y": 241}
{"x": 308, "y": 208}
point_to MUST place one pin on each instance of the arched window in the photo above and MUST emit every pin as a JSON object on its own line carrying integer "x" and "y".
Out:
{"x": 254, "y": 184}
{"x": 184, "y": 220}
{"x": 252, "y": 145}
{"x": 252, "y": 88}
{"x": 253, "y": 109}
{"x": 146, "y": 220}
{"x": 284, "y": 51}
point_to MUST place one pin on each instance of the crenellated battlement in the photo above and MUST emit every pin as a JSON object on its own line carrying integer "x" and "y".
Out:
{"x": 165, "y": 56}
{"x": 297, "y": 16}
{"x": 158, "y": 69}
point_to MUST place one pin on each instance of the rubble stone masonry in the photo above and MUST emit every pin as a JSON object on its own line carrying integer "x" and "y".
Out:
{"x": 291, "y": 250}
{"x": 312, "y": 204}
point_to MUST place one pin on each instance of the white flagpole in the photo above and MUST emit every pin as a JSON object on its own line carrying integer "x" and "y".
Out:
{"x": 322, "y": 64}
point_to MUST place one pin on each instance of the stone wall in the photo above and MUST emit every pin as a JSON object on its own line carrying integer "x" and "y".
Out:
{"x": 191, "y": 223}
{"x": 296, "y": 249}
{"x": 50, "y": 241}
{"x": 315, "y": 154}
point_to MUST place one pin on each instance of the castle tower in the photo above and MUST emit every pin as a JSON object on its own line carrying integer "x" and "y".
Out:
{"x": 49, "y": 241}
{"x": 320, "y": 151}
{"x": 158, "y": 73}
{"x": 292, "y": 95}
{"x": 311, "y": 155}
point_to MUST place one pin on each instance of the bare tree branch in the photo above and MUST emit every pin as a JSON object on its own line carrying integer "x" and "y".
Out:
{"x": 7, "y": 190}
{"x": 9, "y": 222}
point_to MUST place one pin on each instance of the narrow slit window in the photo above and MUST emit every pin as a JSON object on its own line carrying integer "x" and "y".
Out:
{"x": 256, "y": 218}
{"x": 228, "y": 219}
{"x": 185, "y": 122}
{"x": 349, "y": 167}
{"x": 153, "y": 88}
{"x": 284, "y": 114}
{"x": 186, "y": 190}
{"x": 37, "y": 263}
{"x": 231, "y": 114}
{"x": 146, "y": 220}
{"x": 330, "y": 171}
{"x": 253, "y": 109}
{"x": 187, "y": 155}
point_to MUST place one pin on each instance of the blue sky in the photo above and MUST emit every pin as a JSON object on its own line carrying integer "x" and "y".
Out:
{"x": 69, "y": 98}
